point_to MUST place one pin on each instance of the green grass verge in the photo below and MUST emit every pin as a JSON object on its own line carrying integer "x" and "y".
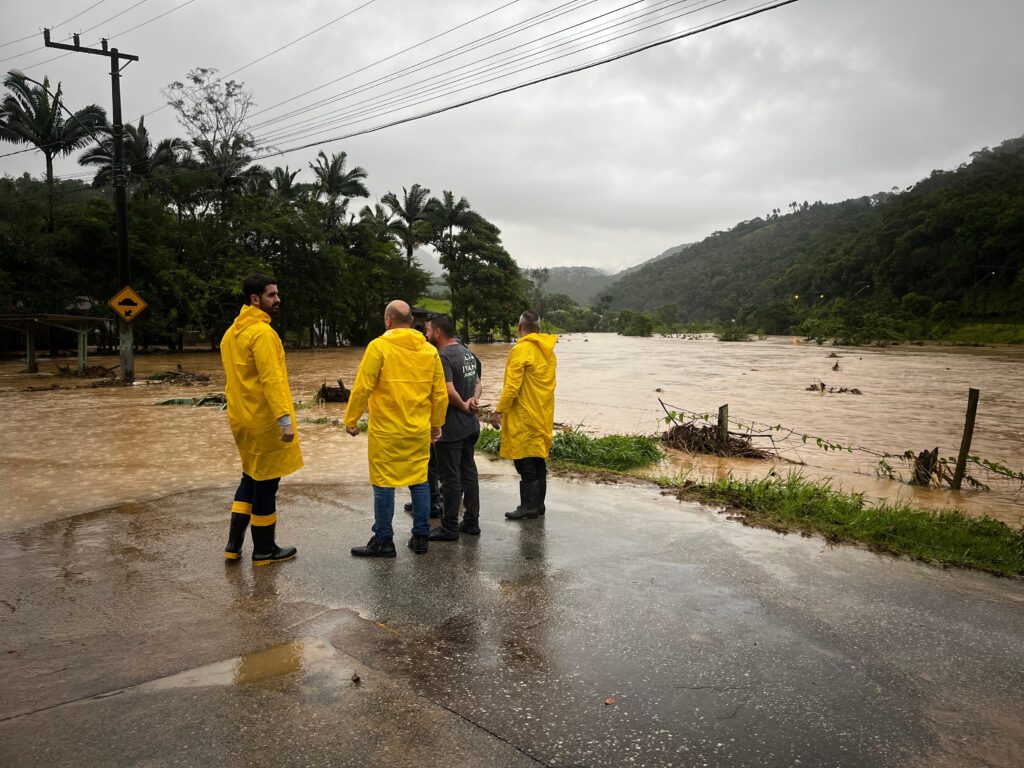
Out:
{"x": 795, "y": 504}
{"x": 435, "y": 306}
{"x": 988, "y": 333}
{"x": 614, "y": 452}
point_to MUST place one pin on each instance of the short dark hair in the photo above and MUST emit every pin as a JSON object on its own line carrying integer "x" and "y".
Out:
{"x": 444, "y": 324}
{"x": 530, "y": 320}
{"x": 255, "y": 285}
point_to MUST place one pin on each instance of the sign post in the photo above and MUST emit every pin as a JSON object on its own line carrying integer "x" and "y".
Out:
{"x": 128, "y": 305}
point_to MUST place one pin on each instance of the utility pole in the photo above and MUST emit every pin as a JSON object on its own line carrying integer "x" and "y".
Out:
{"x": 120, "y": 176}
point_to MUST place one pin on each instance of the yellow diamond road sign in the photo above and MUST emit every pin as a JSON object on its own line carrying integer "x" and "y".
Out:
{"x": 128, "y": 304}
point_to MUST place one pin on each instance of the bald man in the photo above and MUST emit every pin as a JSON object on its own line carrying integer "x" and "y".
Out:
{"x": 401, "y": 380}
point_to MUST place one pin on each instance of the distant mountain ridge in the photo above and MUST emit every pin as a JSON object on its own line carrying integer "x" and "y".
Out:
{"x": 583, "y": 284}
{"x": 949, "y": 247}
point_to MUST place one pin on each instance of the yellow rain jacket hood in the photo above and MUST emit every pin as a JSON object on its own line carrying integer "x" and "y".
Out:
{"x": 258, "y": 395}
{"x": 401, "y": 379}
{"x": 527, "y": 403}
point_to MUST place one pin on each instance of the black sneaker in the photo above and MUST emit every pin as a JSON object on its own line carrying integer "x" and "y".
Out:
{"x": 443, "y": 534}
{"x": 471, "y": 529}
{"x": 418, "y": 544}
{"x": 375, "y": 548}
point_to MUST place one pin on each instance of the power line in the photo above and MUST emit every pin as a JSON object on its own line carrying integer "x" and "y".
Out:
{"x": 739, "y": 16}
{"x": 482, "y": 71}
{"x": 59, "y": 24}
{"x": 706, "y": 27}
{"x": 492, "y": 37}
{"x": 466, "y": 23}
{"x": 299, "y": 39}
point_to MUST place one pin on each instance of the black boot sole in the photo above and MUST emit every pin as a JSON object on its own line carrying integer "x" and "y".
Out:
{"x": 270, "y": 560}
{"x": 390, "y": 553}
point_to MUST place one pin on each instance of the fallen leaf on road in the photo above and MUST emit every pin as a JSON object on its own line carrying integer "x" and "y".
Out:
{"x": 610, "y": 700}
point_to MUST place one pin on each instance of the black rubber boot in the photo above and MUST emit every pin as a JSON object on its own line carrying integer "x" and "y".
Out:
{"x": 529, "y": 491}
{"x": 265, "y": 550}
{"x": 418, "y": 544}
{"x": 375, "y": 548}
{"x": 442, "y": 534}
{"x": 236, "y": 536}
{"x": 542, "y": 493}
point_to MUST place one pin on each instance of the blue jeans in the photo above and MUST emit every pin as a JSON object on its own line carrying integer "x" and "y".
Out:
{"x": 384, "y": 510}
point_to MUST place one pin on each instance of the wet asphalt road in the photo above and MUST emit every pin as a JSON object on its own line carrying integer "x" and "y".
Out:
{"x": 625, "y": 629}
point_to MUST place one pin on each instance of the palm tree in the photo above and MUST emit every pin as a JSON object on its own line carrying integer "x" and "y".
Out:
{"x": 381, "y": 222}
{"x": 411, "y": 211}
{"x": 333, "y": 181}
{"x": 29, "y": 116}
{"x": 282, "y": 180}
{"x": 141, "y": 157}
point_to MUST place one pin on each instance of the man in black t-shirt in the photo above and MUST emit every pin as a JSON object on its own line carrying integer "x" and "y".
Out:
{"x": 455, "y": 450}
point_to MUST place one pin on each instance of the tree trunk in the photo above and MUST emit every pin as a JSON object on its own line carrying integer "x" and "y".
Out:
{"x": 49, "y": 192}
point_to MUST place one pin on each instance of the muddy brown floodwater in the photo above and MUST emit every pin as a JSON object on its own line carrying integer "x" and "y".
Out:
{"x": 72, "y": 450}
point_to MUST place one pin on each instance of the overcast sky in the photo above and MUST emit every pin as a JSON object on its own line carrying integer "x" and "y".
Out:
{"x": 821, "y": 99}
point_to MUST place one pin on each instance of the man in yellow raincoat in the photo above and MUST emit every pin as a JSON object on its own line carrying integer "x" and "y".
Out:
{"x": 401, "y": 379}
{"x": 262, "y": 419}
{"x": 527, "y": 411}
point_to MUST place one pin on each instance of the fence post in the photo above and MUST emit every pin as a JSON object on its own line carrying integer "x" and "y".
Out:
{"x": 965, "y": 443}
{"x": 723, "y": 424}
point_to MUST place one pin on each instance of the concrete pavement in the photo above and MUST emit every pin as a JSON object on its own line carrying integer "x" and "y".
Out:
{"x": 126, "y": 640}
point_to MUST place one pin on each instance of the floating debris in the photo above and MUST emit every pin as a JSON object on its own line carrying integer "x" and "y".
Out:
{"x": 328, "y": 394}
{"x": 693, "y": 438}
{"x": 216, "y": 400}
{"x": 820, "y": 387}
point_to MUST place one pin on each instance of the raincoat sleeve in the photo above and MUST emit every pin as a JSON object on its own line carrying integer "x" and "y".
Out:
{"x": 266, "y": 352}
{"x": 366, "y": 379}
{"x": 438, "y": 396}
{"x": 514, "y": 372}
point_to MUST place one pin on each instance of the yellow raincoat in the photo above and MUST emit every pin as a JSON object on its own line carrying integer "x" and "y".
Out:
{"x": 258, "y": 394}
{"x": 401, "y": 378}
{"x": 527, "y": 402}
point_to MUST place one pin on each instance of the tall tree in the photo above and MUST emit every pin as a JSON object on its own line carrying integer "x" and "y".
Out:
{"x": 142, "y": 158}
{"x": 414, "y": 222}
{"x": 29, "y": 116}
{"x": 334, "y": 182}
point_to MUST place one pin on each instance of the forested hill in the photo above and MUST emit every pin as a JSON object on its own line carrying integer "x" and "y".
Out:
{"x": 949, "y": 249}
{"x": 581, "y": 284}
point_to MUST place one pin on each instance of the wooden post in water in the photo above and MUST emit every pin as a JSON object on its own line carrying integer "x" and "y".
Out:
{"x": 723, "y": 424}
{"x": 30, "y": 348}
{"x": 965, "y": 443}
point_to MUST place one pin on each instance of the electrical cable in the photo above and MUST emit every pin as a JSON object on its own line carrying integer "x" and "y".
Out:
{"x": 708, "y": 26}
{"x": 666, "y": 5}
{"x": 55, "y": 26}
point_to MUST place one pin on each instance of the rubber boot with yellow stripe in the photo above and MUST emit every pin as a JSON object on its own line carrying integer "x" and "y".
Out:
{"x": 264, "y": 549}
{"x": 240, "y": 512}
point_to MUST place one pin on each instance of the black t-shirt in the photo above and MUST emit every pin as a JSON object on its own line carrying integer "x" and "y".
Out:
{"x": 462, "y": 369}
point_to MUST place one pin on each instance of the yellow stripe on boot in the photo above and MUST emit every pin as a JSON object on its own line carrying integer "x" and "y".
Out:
{"x": 260, "y": 521}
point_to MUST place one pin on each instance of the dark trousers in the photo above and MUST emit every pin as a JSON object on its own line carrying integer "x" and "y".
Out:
{"x": 257, "y": 498}
{"x": 459, "y": 481}
{"x": 533, "y": 485}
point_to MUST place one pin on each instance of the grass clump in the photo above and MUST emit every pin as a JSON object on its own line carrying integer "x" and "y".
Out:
{"x": 793, "y": 503}
{"x": 615, "y": 452}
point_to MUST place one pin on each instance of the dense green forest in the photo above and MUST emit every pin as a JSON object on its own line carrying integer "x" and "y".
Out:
{"x": 203, "y": 213}
{"x": 945, "y": 254}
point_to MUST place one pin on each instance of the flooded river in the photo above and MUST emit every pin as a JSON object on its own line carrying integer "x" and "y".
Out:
{"x": 81, "y": 448}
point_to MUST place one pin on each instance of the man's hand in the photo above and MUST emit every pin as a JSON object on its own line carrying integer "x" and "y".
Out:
{"x": 496, "y": 420}
{"x": 354, "y": 431}
{"x": 435, "y": 434}
{"x": 474, "y": 405}
{"x": 287, "y": 433}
